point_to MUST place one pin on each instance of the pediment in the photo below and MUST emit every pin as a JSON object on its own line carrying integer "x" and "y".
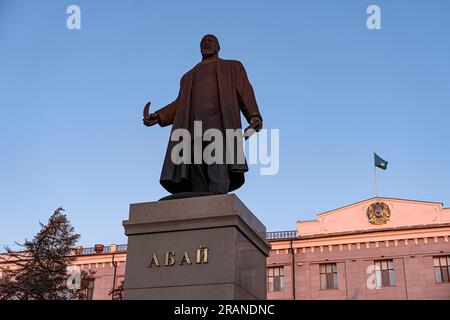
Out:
{"x": 376, "y": 214}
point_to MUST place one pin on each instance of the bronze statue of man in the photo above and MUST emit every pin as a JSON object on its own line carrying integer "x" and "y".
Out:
{"x": 214, "y": 92}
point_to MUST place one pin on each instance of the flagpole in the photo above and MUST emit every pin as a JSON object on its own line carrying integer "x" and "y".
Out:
{"x": 375, "y": 177}
{"x": 375, "y": 180}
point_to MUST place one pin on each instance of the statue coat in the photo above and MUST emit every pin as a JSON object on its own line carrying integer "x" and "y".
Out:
{"x": 236, "y": 95}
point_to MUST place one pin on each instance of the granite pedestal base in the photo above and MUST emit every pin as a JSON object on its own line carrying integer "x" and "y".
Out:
{"x": 168, "y": 240}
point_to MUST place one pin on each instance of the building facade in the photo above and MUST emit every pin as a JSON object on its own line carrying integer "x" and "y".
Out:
{"x": 380, "y": 248}
{"x": 375, "y": 249}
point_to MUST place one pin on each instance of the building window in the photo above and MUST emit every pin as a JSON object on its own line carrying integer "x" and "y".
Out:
{"x": 384, "y": 273}
{"x": 441, "y": 269}
{"x": 275, "y": 279}
{"x": 328, "y": 276}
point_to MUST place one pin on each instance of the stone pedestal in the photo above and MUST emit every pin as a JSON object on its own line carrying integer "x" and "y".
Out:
{"x": 195, "y": 249}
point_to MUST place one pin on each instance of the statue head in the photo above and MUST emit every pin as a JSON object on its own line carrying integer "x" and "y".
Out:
{"x": 209, "y": 46}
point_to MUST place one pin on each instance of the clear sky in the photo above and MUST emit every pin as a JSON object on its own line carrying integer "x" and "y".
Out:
{"x": 71, "y": 104}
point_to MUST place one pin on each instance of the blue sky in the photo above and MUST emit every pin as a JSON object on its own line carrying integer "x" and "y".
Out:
{"x": 71, "y": 104}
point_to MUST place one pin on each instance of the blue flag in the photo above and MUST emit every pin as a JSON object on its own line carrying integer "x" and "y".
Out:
{"x": 379, "y": 162}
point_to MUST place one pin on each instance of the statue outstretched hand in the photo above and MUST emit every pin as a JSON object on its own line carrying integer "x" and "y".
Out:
{"x": 150, "y": 119}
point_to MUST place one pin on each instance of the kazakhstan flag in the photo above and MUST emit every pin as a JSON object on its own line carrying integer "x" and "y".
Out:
{"x": 380, "y": 163}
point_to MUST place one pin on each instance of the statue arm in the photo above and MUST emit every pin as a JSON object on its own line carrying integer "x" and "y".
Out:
{"x": 246, "y": 95}
{"x": 167, "y": 114}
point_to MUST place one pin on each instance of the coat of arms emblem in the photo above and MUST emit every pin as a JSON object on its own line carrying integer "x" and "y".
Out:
{"x": 378, "y": 213}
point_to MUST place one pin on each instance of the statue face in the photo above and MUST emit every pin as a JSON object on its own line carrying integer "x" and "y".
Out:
{"x": 209, "y": 45}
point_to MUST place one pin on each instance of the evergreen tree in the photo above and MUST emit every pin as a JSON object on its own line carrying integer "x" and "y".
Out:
{"x": 39, "y": 270}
